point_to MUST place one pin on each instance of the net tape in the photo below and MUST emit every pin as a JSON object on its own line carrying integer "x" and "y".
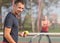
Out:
{"x": 34, "y": 34}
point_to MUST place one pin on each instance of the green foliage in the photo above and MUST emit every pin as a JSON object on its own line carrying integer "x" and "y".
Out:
{"x": 6, "y": 1}
{"x": 55, "y": 28}
{"x": 27, "y": 22}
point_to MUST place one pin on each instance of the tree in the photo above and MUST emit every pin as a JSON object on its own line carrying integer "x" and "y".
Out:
{"x": 27, "y": 22}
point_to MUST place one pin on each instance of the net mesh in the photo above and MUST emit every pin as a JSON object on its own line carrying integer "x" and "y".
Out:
{"x": 37, "y": 38}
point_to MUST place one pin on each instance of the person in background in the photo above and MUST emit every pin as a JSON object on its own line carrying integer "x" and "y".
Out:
{"x": 45, "y": 24}
{"x": 10, "y": 31}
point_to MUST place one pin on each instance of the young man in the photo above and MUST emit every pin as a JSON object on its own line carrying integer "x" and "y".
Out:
{"x": 45, "y": 27}
{"x": 11, "y": 23}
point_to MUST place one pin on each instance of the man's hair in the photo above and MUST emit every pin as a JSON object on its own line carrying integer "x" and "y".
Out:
{"x": 20, "y": 1}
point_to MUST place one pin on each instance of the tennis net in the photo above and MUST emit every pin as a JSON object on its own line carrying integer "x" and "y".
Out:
{"x": 37, "y": 38}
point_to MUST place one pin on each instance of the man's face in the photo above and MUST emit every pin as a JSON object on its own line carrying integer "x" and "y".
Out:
{"x": 19, "y": 7}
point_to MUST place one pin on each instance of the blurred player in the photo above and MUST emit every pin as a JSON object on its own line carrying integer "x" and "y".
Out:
{"x": 45, "y": 27}
{"x": 11, "y": 23}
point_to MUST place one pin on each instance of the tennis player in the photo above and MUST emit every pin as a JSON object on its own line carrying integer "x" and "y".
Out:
{"x": 45, "y": 27}
{"x": 11, "y": 23}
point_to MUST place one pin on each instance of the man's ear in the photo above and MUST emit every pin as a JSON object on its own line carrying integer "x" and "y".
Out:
{"x": 14, "y": 5}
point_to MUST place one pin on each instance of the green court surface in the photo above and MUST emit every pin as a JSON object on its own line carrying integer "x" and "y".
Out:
{"x": 35, "y": 40}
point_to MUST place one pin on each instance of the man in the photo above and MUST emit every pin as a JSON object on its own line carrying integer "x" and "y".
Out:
{"x": 11, "y": 23}
{"x": 45, "y": 27}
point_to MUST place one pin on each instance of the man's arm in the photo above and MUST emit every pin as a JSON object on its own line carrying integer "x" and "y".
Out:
{"x": 8, "y": 36}
{"x": 49, "y": 23}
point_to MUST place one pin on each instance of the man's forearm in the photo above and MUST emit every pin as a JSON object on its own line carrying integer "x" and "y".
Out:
{"x": 9, "y": 38}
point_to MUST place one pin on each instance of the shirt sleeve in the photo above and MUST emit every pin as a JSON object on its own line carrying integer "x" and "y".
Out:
{"x": 8, "y": 22}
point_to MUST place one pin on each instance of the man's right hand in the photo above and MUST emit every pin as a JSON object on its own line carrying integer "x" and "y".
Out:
{"x": 23, "y": 34}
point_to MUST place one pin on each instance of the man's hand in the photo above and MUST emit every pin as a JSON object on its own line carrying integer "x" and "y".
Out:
{"x": 21, "y": 34}
{"x": 24, "y": 34}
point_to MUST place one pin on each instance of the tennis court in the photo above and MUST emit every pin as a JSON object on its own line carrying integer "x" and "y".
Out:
{"x": 34, "y": 39}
